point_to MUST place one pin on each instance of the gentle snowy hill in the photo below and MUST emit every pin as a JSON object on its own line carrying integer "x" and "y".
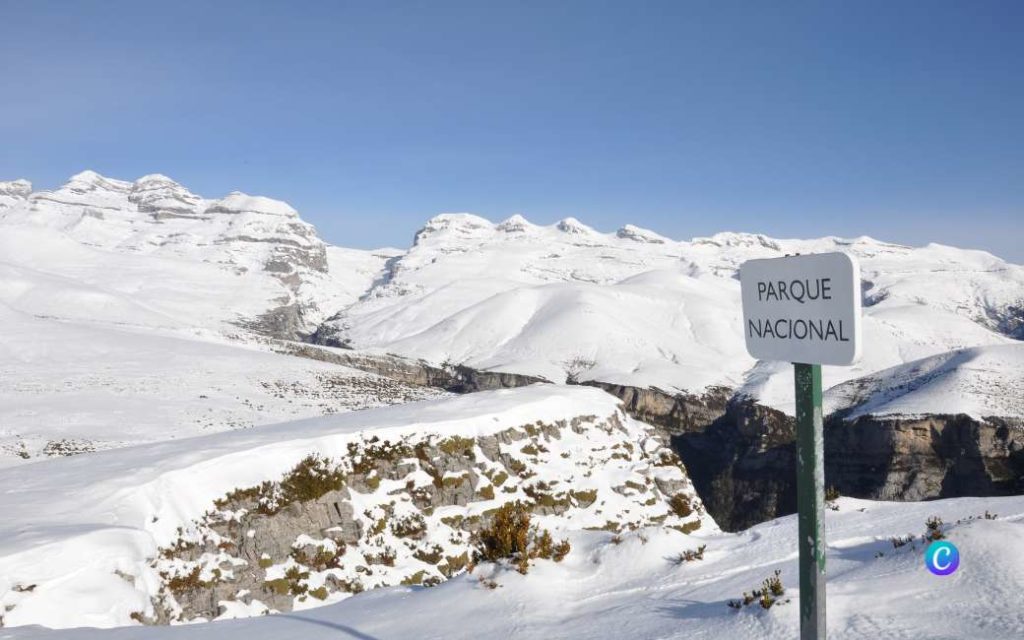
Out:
{"x": 135, "y": 319}
{"x": 119, "y": 525}
{"x": 73, "y": 387}
{"x": 143, "y": 292}
{"x": 126, "y": 308}
{"x": 635, "y": 588}
{"x": 983, "y": 381}
{"x": 636, "y": 308}
{"x": 240, "y": 259}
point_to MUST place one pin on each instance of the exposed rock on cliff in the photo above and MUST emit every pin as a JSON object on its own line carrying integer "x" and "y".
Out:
{"x": 405, "y": 511}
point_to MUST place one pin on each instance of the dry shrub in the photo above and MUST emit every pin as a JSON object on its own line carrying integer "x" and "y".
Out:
{"x": 311, "y": 478}
{"x": 509, "y": 536}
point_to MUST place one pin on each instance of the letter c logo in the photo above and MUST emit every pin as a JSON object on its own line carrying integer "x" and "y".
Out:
{"x": 942, "y": 557}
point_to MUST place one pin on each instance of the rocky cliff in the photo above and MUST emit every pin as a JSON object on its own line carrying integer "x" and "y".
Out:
{"x": 740, "y": 453}
{"x": 272, "y": 252}
{"x": 743, "y": 463}
{"x": 406, "y": 511}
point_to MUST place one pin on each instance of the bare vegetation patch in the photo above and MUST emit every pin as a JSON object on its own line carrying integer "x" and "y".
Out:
{"x": 509, "y": 537}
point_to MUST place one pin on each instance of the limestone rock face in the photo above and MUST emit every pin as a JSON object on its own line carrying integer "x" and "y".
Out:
{"x": 741, "y": 457}
{"x": 925, "y": 458}
{"x": 13, "y": 192}
{"x": 406, "y": 510}
{"x": 264, "y": 242}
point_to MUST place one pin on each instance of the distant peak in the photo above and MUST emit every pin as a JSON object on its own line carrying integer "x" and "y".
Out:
{"x": 156, "y": 178}
{"x": 90, "y": 176}
{"x": 448, "y": 220}
{"x": 733, "y": 239}
{"x": 868, "y": 241}
{"x": 86, "y": 176}
{"x": 572, "y": 225}
{"x": 515, "y": 224}
{"x": 16, "y": 188}
{"x": 457, "y": 224}
{"x": 90, "y": 180}
{"x": 638, "y": 234}
{"x": 238, "y": 202}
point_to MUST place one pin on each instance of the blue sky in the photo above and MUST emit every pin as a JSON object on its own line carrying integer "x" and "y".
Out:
{"x": 899, "y": 120}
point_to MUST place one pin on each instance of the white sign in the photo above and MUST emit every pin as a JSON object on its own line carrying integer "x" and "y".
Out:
{"x": 802, "y": 308}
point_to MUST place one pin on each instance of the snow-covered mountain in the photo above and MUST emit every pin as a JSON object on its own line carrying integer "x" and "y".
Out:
{"x": 130, "y": 537}
{"x": 129, "y": 311}
{"x": 239, "y": 259}
{"x": 635, "y": 308}
{"x": 101, "y": 273}
{"x": 439, "y": 466}
{"x": 141, "y": 317}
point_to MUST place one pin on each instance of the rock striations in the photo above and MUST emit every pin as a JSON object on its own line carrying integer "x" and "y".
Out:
{"x": 256, "y": 238}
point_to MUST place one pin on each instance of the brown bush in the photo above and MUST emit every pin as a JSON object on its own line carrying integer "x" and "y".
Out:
{"x": 509, "y": 536}
{"x": 311, "y": 478}
{"x": 680, "y": 505}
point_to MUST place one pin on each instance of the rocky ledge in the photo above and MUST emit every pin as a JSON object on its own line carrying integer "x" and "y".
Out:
{"x": 407, "y": 511}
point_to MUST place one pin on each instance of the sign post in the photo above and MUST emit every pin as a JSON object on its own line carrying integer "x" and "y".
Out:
{"x": 805, "y": 310}
{"x": 810, "y": 499}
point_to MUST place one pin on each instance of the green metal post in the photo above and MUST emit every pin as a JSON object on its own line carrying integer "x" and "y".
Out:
{"x": 810, "y": 491}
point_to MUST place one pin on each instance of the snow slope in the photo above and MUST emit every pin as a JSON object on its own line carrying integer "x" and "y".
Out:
{"x": 107, "y": 513}
{"x": 630, "y": 307}
{"x": 634, "y": 589}
{"x": 649, "y": 311}
{"x": 982, "y": 381}
{"x": 91, "y": 361}
{"x": 125, "y": 306}
{"x": 68, "y": 387}
{"x": 202, "y": 261}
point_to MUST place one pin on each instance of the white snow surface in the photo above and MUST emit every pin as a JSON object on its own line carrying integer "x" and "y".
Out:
{"x": 135, "y": 294}
{"x": 70, "y": 523}
{"x": 110, "y": 511}
{"x": 634, "y": 590}
{"x": 981, "y": 381}
{"x": 122, "y": 301}
{"x": 121, "y": 304}
{"x": 636, "y": 308}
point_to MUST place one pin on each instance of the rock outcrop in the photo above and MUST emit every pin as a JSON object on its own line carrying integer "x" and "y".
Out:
{"x": 743, "y": 465}
{"x": 258, "y": 239}
{"x": 740, "y": 454}
{"x": 923, "y": 458}
{"x": 405, "y": 511}
{"x": 457, "y": 379}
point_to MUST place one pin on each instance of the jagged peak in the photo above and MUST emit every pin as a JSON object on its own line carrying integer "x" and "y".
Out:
{"x": 238, "y": 202}
{"x": 734, "y": 239}
{"x": 19, "y": 188}
{"x": 157, "y": 194}
{"x": 515, "y": 224}
{"x": 156, "y": 178}
{"x": 639, "y": 234}
{"x": 572, "y": 225}
{"x": 462, "y": 224}
{"x": 449, "y": 220}
{"x": 91, "y": 180}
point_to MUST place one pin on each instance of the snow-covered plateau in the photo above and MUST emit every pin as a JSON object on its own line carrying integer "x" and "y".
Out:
{"x": 208, "y": 413}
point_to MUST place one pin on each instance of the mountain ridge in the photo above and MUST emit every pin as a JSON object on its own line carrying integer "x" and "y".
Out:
{"x": 555, "y": 301}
